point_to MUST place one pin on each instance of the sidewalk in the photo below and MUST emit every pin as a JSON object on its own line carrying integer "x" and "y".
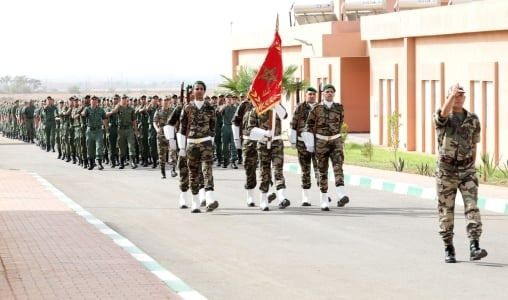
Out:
{"x": 490, "y": 197}
{"x": 47, "y": 251}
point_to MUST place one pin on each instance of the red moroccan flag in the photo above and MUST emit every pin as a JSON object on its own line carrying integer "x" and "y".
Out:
{"x": 265, "y": 91}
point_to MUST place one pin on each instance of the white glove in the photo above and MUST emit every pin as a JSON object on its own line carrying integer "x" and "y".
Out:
{"x": 281, "y": 111}
{"x": 257, "y": 133}
{"x": 169, "y": 132}
{"x": 172, "y": 144}
{"x": 292, "y": 136}
{"x": 238, "y": 144}
{"x": 182, "y": 153}
{"x": 310, "y": 149}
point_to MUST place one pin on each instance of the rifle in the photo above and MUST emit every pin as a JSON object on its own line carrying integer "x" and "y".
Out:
{"x": 320, "y": 90}
{"x": 298, "y": 86}
{"x": 181, "y": 94}
{"x": 188, "y": 93}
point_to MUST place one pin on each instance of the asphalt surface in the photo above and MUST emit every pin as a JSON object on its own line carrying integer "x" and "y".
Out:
{"x": 380, "y": 246}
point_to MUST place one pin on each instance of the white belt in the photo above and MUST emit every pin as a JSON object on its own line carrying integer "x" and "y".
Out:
{"x": 245, "y": 137}
{"x": 274, "y": 138}
{"x": 327, "y": 138}
{"x": 200, "y": 140}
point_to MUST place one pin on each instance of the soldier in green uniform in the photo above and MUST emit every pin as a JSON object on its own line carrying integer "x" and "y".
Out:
{"x": 65, "y": 119}
{"x": 228, "y": 149}
{"x": 49, "y": 114}
{"x": 322, "y": 135}
{"x": 152, "y": 133}
{"x": 160, "y": 118}
{"x": 305, "y": 158}
{"x": 112, "y": 133}
{"x": 28, "y": 114}
{"x": 217, "y": 140}
{"x": 458, "y": 132}
{"x": 197, "y": 128}
{"x": 58, "y": 128}
{"x": 126, "y": 130}
{"x": 270, "y": 153}
{"x": 96, "y": 118}
{"x": 143, "y": 126}
{"x": 76, "y": 117}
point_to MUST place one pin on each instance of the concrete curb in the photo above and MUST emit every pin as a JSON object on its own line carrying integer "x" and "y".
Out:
{"x": 497, "y": 205}
{"x": 171, "y": 280}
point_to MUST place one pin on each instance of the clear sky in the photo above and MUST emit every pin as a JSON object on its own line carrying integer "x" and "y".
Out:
{"x": 127, "y": 39}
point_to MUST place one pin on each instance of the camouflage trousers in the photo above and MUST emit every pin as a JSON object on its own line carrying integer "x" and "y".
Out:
{"x": 200, "y": 159}
{"x": 152, "y": 143}
{"x": 163, "y": 144}
{"x": 250, "y": 163}
{"x": 305, "y": 159}
{"x": 183, "y": 170}
{"x": 77, "y": 142}
{"x": 173, "y": 157}
{"x": 273, "y": 157}
{"x": 447, "y": 184}
{"x": 58, "y": 138}
{"x": 325, "y": 151}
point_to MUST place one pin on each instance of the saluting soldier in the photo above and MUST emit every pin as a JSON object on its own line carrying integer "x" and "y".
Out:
{"x": 96, "y": 118}
{"x": 458, "y": 133}
{"x": 160, "y": 118}
{"x": 305, "y": 158}
{"x": 270, "y": 150}
{"x": 126, "y": 130}
{"x": 322, "y": 135}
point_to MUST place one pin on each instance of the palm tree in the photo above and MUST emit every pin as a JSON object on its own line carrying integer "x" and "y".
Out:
{"x": 243, "y": 79}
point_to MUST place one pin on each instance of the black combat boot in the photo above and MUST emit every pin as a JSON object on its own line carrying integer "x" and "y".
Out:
{"x": 144, "y": 162}
{"x": 59, "y": 154}
{"x": 74, "y": 159}
{"x": 173, "y": 171}
{"x": 80, "y": 162}
{"x": 233, "y": 164}
{"x": 163, "y": 171}
{"x": 122, "y": 163}
{"x": 476, "y": 252}
{"x": 225, "y": 164}
{"x": 68, "y": 159}
{"x": 154, "y": 162}
{"x": 99, "y": 161}
{"x": 240, "y": 157}
{"x": 85, "y": 163}
{"x": 48, "y": 148}
{"x": 450, "y": 254}
{"x": 106, "y": 159}
{"x": 133, "y": 162}
{"x": 53, "y": 148}
{"x": 91, "y": 164}
{"x": 113, "y": 161}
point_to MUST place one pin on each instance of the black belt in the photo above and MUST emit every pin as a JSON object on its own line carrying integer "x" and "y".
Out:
{"x": 454, "y": 162}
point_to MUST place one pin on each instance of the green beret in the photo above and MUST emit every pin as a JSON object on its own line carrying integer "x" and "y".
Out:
{"x": 311, "y": 89}
{"x": 201, "y": 83}
{"x": 329, "y": 86}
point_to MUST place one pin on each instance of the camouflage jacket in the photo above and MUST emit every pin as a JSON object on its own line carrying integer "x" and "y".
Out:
{"x": 300, "y": 117}
{"x": 161, "y": 117}
{"x": 456, "y": 141}
{"x": 325, "y": 121}
{"x": 263, "y": 121}
{"x": 197, "y": 123}
{"x": 241, "y": 118}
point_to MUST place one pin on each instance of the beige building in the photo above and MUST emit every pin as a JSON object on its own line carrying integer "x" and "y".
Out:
{"x": 383, "y": 61}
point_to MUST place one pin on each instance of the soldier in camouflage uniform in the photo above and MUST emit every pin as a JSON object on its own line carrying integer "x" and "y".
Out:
{"x": 65, "y": 119}
{"x": 112, "y": 133}
{"x": 143, "y": 126}
{"x": 458, "y": 132}
{"x": 305, "y": 158}
{"x": 152, "y": 133}
{"x": 197, "y": 126}
{"x": 322, "y": 134}
{"x": 270, "y": 153}
{"x": 76, "y": 117}
{"x": 58, "y": 129}
{"x": 160, "y": 118}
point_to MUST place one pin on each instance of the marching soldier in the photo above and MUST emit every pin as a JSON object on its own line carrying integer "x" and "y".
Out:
{"x": 126, "y": 130}
{"x": 197, "y": 126}
{"x": 322, "y": 135}
{"x": 152, "y": 133}
{"x": 143, "y": 126}
{"x": 96, "y": 117}
{"x": 28, "y": 114}
{"x": 270, "y": 153}
{"x": 58, "y": 129}
{"x": 229, "y": 153}
{"x": 160, "y": 118}
{"x": 305, "y": 158}
{"x": 458, "y": 132}
{"x": 112, "y": 133}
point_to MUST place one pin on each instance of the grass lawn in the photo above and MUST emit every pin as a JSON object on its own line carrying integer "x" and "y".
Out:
{"x": 382, "y": 159}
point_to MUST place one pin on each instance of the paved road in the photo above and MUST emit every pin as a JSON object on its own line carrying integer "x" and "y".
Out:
{"x": 381, "y": 246}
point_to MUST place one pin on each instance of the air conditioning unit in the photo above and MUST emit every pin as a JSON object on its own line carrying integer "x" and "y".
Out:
{"x": 365, "y": 5}
{"x": 413, "y": 4}
{"x": 314, "y": 13}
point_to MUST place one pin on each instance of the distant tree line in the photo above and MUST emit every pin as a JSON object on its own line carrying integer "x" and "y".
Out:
{"x": 19, "y": 85}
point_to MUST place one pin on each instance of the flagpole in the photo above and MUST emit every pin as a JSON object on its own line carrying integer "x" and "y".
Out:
{"x": 274, "y": 120}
